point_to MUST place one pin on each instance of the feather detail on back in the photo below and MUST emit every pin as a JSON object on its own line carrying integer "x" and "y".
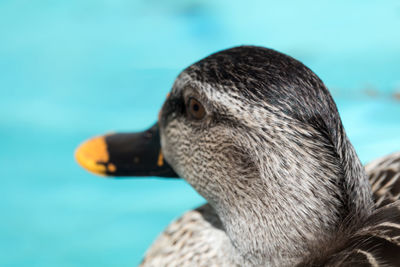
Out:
{"x": 384, "y": 176}
{"x": 377, "y": 243}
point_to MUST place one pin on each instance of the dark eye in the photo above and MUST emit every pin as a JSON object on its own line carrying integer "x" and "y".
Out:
{"x": 196, "y": 109}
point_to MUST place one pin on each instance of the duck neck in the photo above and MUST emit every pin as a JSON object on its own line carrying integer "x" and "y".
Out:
{"x": 295, "y": 202}
{"x": 356, "y": 185}
{"x": 280, "y": 229}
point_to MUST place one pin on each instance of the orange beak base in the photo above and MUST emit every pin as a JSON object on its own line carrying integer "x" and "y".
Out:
{"x": 125, "y": 154}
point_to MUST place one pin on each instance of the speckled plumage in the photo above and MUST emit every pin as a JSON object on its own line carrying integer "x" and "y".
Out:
{"x": 384, "y": 176}
{"x": 284, "y": 184}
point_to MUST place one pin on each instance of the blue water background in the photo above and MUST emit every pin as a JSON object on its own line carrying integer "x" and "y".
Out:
{"x": 73, "y": 69}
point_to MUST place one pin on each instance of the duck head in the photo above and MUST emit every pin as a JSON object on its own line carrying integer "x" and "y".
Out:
{"x": 259, "y": 136}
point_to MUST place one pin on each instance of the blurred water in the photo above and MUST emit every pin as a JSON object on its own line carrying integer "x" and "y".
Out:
{"x": 73, "y": 69}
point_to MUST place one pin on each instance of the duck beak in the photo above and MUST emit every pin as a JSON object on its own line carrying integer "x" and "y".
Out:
{"x": 125, "y": 154}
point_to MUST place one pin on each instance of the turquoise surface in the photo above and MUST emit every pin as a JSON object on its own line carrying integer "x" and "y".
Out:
{"x": 73, "y": 69}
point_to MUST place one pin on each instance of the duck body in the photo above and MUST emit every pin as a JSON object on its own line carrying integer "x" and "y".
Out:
{"x": 258, "y": 135}
{"x": 197, "y": 238}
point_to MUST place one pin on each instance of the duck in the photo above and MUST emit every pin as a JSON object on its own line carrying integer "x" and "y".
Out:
{"x": 258, "y": 135}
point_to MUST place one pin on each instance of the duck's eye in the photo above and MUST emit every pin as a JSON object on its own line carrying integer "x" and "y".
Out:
{"x": 196, "y": 109}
